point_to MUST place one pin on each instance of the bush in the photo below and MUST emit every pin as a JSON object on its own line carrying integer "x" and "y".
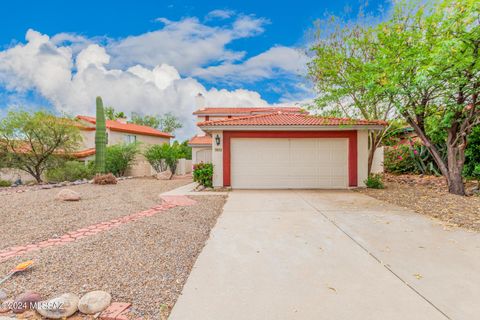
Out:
{"x": 472, "y": 155}
{"x": 70, "y": 171}
{"x": 203, "y": 174}
{"x": 398, "y": 159}
{"x": 184, "y": 150}
{"x": 120, "y": 157}
{"x": 5, "y": 183}
{"x": 156, "y": 155}
{"x": 103, "y": 179}
{"x": 374, "y": 181}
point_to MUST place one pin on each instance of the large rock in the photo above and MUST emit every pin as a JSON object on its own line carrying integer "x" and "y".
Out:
{"x": 68, "y": 195}
{"x": 60, "y": 307}
{"x": 25, "y": 301}
{"x": 95, "y": 301}
{"x": 165, "y": 175}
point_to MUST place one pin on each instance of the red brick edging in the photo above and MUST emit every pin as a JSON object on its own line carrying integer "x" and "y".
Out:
{"x": 168, "y": 203}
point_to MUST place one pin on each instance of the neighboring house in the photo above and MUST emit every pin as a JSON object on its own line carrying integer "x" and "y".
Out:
{"x": 119, "y": 131}
{"x": 282, "y": 148}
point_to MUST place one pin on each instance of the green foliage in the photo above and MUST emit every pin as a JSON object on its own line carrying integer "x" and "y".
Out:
{"x": 100, "y": 138}
{"x": 399, "y": 160}
{"x": 472, "y": 155}
{"x": 203, "y": 174}
{"x": 167, "y": 123}
{"x": 374, "y": 181}
{"x": 70, "y": 171}
{"x": 185, "y": 151}
{"x": 120, "y": 157}
{"x": 5, "y": 183}
{"x": 111, "y": 114}
{"x": 35, "y": 142}
{"x": 171, "y": 158}
{"x": 155, "y": 155}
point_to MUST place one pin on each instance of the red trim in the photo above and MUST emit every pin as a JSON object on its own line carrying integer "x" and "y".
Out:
{"x": 207, "y": 118}
{"x": 351, "y": 135}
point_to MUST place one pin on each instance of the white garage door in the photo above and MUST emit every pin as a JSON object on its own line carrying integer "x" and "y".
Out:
{"x": 289, "y": 163}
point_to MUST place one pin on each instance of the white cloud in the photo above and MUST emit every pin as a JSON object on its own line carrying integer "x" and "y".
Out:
{"x": 185, "y": 44}
{"x": 274, "y": 62}
{"x": 42, "y": 66}
{"x": 220, "y": 14}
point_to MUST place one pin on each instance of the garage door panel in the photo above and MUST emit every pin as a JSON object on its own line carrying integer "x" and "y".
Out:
{"x": 289, "y": 163}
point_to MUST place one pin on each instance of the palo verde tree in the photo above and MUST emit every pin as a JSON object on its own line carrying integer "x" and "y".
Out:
{"x": 344, "y": 74}
{"x": 35, "y": 142}
{"x": 431, "y": 68}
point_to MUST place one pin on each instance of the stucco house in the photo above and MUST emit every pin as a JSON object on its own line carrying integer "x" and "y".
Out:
{"x": 119, "y": 131}
{"x": 284, "y": 148}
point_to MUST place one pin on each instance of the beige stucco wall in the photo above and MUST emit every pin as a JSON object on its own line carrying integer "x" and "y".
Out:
{"x": 217, "y": 160}
{"x": 362, "y": 151}
{"x": 378, "y": 158}
{"x": 88, "y": 139}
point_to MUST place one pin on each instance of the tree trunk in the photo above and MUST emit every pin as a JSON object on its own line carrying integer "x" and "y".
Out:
{"x": 455, "y": 160}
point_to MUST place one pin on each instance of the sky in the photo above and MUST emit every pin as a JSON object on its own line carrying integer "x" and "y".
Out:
{"x": 153, "y": 57}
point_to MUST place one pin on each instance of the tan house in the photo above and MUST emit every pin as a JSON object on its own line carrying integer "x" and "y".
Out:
{"x": 119, "y": 131}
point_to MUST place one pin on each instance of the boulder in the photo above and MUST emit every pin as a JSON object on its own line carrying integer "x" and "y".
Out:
{"x": 165, "y": 175}
{"x": 25, "y": 301}
{"x": 68, "y": 195}
{"x": 6, "y": 318}
{"x": 5, "y": 306}
{"x": 60, "y": 307}
{"x": 94, "y": 301}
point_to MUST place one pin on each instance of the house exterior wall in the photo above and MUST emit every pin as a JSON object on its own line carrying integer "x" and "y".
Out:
{"x": 217, "y": 160}
{"x": 362, "y": 162}
{"x": 378, "y": 158}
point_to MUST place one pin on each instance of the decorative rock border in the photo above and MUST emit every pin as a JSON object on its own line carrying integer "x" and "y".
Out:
{"x": 168, "y": 203}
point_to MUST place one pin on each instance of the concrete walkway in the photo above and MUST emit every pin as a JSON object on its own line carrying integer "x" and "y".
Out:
{"x": 330, "y": 255}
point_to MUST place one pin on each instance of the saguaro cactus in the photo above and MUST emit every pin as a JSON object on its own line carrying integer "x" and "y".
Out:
{"x": 100, "y": 138}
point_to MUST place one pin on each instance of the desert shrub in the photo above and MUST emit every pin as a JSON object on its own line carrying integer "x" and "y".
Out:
{"x": 120, "y": 157}
{"x": 374, "y": 181}
{"x": 105, "y": 179}
{"x": 156, "y": 155}
{"x": 5, "y": 183}
{"x": 203, "y": 174}
{"x": 184, "y": 150}
{"x": 70, "y": 171}
{"x": 398, "y": 159}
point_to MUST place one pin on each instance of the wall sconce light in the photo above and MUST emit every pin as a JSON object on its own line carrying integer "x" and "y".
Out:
{"x": 217, "y": 140}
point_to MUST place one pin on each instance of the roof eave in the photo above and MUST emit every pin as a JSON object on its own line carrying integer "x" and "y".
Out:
{"x": 208, "y": 128}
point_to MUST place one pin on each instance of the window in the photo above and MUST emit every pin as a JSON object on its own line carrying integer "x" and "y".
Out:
{"x": 130, "y": 138}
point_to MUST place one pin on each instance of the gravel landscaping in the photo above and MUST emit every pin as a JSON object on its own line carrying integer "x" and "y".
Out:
{"x": 145, "y": 262}
{"x": 36, "y": 215}
{"x": 428, "y": 195}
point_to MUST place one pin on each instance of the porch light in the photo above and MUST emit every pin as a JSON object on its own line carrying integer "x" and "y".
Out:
{"x": 217, "y": 140}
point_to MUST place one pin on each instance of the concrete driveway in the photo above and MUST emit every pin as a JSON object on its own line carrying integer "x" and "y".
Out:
{"x": 330, "y": 255}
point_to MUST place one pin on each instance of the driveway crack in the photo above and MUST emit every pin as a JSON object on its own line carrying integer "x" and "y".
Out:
{"x": 371, "y": 254}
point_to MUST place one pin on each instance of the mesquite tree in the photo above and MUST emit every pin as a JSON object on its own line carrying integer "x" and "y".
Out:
{"x": 430, "y": 58}
{"x": 343, "y": 70}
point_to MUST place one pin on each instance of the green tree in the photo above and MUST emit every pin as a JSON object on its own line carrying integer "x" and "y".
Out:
{"x": 145, "y": 120}
{"x": 431, "y": 67}
{"x": 167, "y": 123}
{"x": 346, "y": 76}
{"x": 111, "y": 114}
{"x": 35, "y": 142}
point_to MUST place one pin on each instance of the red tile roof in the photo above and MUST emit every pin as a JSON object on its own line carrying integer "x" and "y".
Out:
{"x": 200, "y": 140}
{"x": 129, "y": 127}
{"x": 246, "y": 111}
{"x": 290, "y": 119}
{"x": 84, "y": 153}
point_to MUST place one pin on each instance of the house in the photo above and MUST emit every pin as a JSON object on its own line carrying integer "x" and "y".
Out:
{"x": 119, "y": 131}
{"x": 282, "y": 148}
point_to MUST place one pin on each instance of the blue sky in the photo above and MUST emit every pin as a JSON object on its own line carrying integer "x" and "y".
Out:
{"x": 154, "y": 56}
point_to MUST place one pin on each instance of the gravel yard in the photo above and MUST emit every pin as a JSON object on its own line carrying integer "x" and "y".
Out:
{"x": 36, "y": 215}
{"x": 428, "y": 195}
{"x": 145, "y": 262}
